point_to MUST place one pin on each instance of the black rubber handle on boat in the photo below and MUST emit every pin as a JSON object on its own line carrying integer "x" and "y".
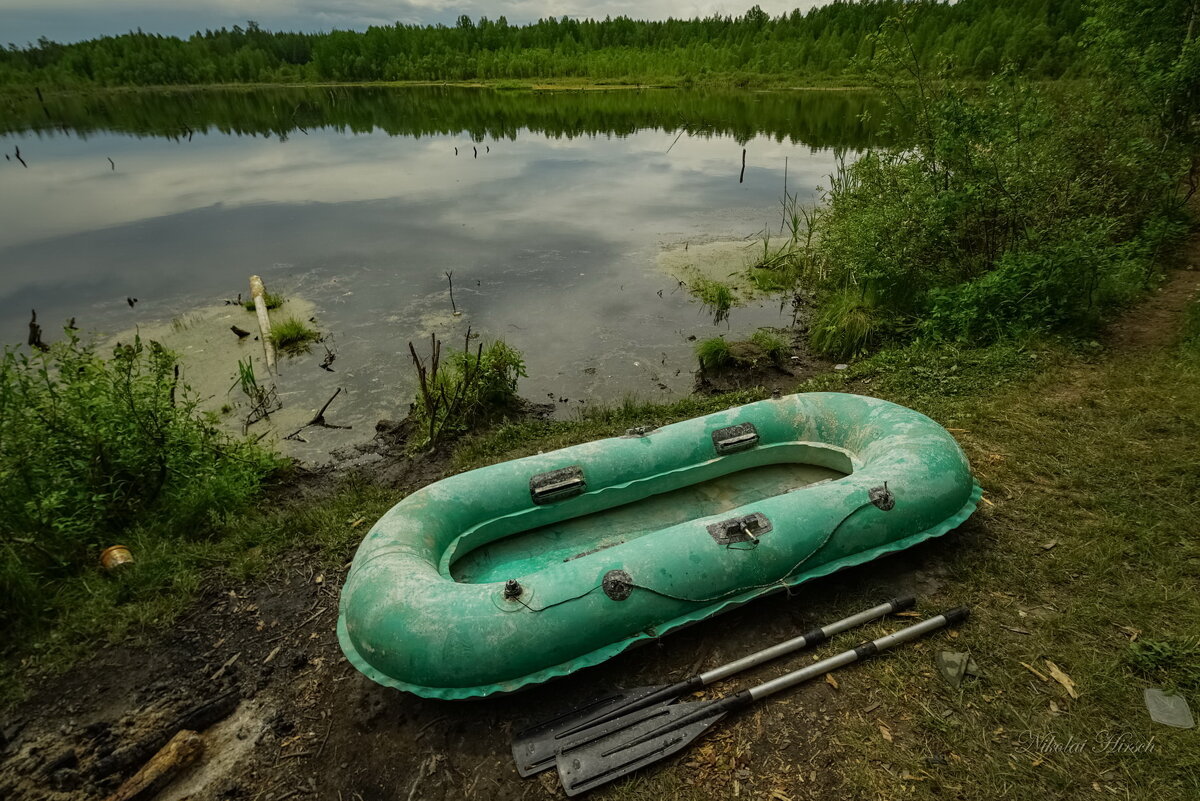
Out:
{"x": 902, "y": 602}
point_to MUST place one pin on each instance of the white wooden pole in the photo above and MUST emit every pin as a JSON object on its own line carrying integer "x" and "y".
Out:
{"x": 257, "y": 290}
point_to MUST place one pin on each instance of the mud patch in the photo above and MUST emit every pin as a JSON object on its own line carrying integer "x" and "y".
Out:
{"x": 225, "y": 745}
{"x": 749, "y": 366}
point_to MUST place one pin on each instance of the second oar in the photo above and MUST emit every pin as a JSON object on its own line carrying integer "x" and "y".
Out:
{"x": 656, "y": 733}
{"x": 534, "y": 748}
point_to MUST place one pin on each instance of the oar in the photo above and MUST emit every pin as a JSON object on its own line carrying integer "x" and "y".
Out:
{"x": 534, "y": 748}
{"x": 653, "y": 734}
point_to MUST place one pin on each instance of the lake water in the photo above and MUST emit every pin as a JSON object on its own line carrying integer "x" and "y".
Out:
{"x": 568, "y": 220}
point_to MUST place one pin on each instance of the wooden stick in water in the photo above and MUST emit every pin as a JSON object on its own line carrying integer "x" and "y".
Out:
{"x": 257, "y": 290}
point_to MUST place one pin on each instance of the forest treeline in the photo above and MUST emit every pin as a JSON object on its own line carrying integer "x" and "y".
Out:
{"x": 843, "y": 119}
{"x": 974, "y": 37}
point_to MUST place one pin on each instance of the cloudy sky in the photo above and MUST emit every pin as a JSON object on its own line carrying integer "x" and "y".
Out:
{"x": 22, "y": 21}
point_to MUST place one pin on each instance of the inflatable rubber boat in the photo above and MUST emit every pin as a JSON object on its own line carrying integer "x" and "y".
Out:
{"x": 516, "y": 573}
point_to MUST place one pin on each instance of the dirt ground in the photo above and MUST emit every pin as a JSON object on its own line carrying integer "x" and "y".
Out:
{"x": 298, "y": 720}
{"x": 257, "y": 669}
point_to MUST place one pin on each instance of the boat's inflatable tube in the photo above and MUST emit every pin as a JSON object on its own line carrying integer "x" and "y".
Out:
{"x": 407, "y": 623}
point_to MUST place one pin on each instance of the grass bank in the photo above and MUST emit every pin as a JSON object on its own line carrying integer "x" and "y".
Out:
{"x": 1084, "y": 555}
{"x": 1083, "y": 559}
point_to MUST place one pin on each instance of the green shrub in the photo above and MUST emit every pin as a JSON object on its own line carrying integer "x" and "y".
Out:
{"x": 472, "y": 387}
{"x": 94, "y": 448}
{"x": 293, "y": 335}
{"x": 713, "y": 353}
{"x": 272, "y": 300}
{"x": 1013, "y": 209}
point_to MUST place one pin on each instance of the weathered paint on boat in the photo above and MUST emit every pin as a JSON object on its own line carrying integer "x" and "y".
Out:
{"x": 412, "y": 618}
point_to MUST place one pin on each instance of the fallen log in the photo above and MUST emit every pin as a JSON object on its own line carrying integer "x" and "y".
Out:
{"x": 180, "y": 751}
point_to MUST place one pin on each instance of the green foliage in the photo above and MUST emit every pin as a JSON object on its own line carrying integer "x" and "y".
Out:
{"x": 97, "y": 449}
{"x": 471, "y": 388}
{"x": 272, "y": 300}
{"x": 293, "y": 335}
{"x": 713, "y": 353}
{"x": 1036, "y": 35}
{"x": 847, "y": 323}
{"x": 1152, "y": 46}
{"x": 1174, "y": 662}
{"x": 717, "y": 297}
{"x": 1014, "y": 209}
{"x": 771, "y": 345}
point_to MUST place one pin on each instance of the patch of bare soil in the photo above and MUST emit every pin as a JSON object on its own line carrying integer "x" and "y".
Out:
{"x": 256, "y": 669}
{"x": 1156, "y": 320}
{"x": 750, "y": 367}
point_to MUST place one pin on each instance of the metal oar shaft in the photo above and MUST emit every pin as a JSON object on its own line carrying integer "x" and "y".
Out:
{"x": 721, "y": 706}
{"x": 809, "y": 638}
{"x": 855, "y": 654}
{"x": 657, "y": 733}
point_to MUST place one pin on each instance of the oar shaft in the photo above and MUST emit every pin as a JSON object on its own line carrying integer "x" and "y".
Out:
{"x": 809, "y": 638}
{"x": 668, "y": 694}
{"x": 855, "y": 654}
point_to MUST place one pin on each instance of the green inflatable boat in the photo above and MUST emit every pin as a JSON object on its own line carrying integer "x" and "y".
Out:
{"x": 516, "y": 573}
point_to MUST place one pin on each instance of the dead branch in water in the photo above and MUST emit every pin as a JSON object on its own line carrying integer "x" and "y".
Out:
{"x": 442, "y": 408}
{"x": 450, "y": 280}
{"x": 318, "y": 419}
{"x": 35, "y": 333}
{"x": 328, "y": 360}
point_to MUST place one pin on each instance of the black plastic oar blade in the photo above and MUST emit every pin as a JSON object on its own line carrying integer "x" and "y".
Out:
{"x": 589, "y": 765}
{"x": 534, "y": 748}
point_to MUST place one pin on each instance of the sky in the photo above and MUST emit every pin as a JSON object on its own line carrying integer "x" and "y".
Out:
{"x": 23, "y": 21}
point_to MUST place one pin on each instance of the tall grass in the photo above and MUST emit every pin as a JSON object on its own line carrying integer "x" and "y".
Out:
{"x": 846, "y": 324}
{"x": 271, "y": 299}
{"x": 292, "y": 335}
{"x": 713, "y": 353}
{"x": 789, "y": 258}
{"x": 717, "y": 297}
{"x": 770, "y": 344}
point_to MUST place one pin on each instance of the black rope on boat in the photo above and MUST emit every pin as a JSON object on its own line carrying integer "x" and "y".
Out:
{"x": 781, "y": 582}
{"x": 558, "y": 603}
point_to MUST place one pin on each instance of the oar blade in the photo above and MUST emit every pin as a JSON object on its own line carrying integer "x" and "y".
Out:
{"x": 534, "y": 748}
{"x": 624, "y": 750}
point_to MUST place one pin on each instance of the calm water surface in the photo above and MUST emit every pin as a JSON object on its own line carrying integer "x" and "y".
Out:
{"x": 553, "y": 216}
